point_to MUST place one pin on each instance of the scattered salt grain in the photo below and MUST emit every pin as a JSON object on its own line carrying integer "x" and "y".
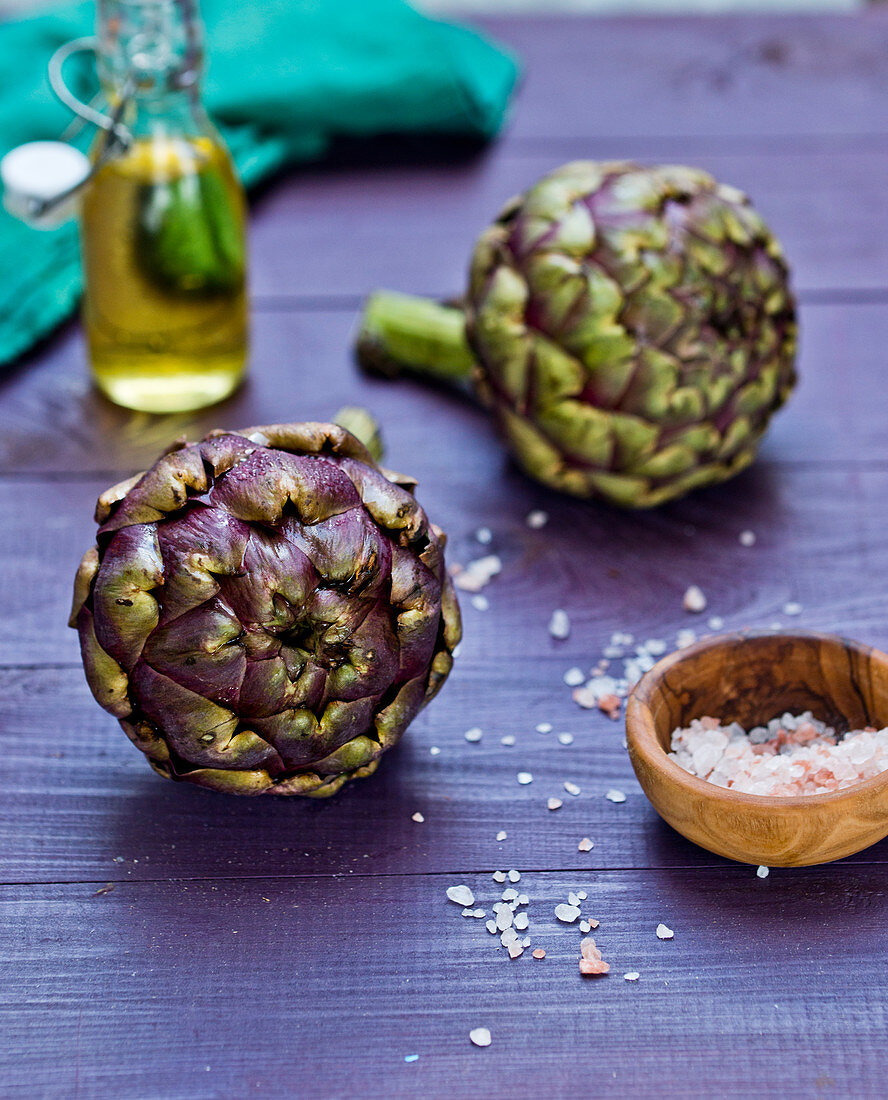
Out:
{"x": 572, "y": 899}
{"x": 491, "y": 927}
{"x": 473, "y": 735}
{"x": 514, "y": 876}
{"x": 615, "y": 796}
{"x": 499, "y": 876}
{"x": 480, "y": 603}
{"x": 418, "y": 818}
{"x": 763, "y": 871}
{"x": 479, "y": 573}
{"x": 585, "y": 926}
{"x": 567, "y": 914}
{"x": 694, "y": 600}
{"x": 571, "y": 788}
{"x": 539, "y": 953}
{"x": 792, "y": 608}
{"x": 509, "y": 936}
{"x": 715, "y": 622}
{"x": 632, "y": 976}
{"x": 747, "y": 538}
{"x": 544, "y": 727}
{"x": 581, "y": 894}
{"x": 484, "y": 535}
{"x": 574, "y": 677}
{"x": 565, "y": 738}
{"x": 585, "y": 845}
{"x": 468, "y": 912}
{"x": 537, "y": 519}
{"x": 664, "y": 933}
{"x": 480, "y": 1036}
{"x": 508, "y": 740}
{"x": 504, "y": 918}
{"x": 521, "y": 922}
{"x": 523, "y": 899}
{"x": 591, "y": 961}
{"x": 685, "y": 638}
{"x": 585, "y": 697}
{"x": 524, "y": 778}
{"x": 434, "y": 751}
{"x": 515, "y": 949}
{"x": 510, "y": 895}
{"x": 501, "y": 835}
{"x": 462, "y": 895}
{"x": 554, "y": 803}
{"x": 411, "y": 1057}
{"x": 559, "y": 625}
{"x": 610, "y": 705}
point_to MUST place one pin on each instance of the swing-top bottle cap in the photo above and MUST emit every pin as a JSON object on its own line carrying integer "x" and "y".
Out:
{"x": 36, "y": 174}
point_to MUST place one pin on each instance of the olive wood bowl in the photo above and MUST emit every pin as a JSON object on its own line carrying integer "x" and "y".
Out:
{"x": 749, "y": 678}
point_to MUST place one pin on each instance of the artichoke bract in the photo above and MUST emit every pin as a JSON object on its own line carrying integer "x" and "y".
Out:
{"x": 631, "y": 328}
{"x": 265, "y": 611}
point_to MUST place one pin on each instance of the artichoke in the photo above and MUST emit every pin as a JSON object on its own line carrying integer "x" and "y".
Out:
{"x": 265, "y": 611}
{"x": 631, "y": 329}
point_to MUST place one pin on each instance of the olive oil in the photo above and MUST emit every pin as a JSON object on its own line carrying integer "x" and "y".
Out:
{"x": 165, "y": 307}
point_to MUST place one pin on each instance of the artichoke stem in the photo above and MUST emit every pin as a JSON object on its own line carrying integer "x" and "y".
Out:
{"x": 403, "y": 334}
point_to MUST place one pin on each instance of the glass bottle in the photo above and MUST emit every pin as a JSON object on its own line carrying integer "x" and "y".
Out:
{"x": 162, "y": 223}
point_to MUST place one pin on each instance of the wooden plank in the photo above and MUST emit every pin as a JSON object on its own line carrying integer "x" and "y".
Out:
{"x": 336, "y": 232}
{"x": 724, "y": 77}
{"x": 51, "y": 422}
{"x": 321, "y": 988}
{"x": 79, "y": 795}
{"x": 81, "y": 805}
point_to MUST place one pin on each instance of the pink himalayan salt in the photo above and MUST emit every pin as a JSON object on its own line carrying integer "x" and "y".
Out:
{"x": 792, "y": 755}
{"x": 591, "y": 962}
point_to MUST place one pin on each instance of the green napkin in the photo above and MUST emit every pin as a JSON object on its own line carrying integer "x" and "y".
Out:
{"x": 284, "y": 78}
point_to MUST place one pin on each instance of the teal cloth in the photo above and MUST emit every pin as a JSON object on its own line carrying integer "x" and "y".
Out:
{"x": 284, "y": 78}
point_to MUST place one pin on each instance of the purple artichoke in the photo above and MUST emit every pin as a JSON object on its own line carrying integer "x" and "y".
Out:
{"x": 265, "y": 611}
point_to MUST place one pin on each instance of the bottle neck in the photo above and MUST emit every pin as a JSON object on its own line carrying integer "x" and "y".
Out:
{"x": 150, "y": 51}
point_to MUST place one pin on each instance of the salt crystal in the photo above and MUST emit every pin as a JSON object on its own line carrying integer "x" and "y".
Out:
{"x": 480, "y": 602}
{"x": 514, "y": 876}
{"x": 478, "y": 573}
{"x": 694, "y": 600}
{"x": 508, "y": 740}
{"x": 565, "y": 738}
{"x": 484, "y": 535}
{"x": 615, "y": 796}
{"x": 504, "y": 919}
{"x": 559, "y": 625}
{"x": 544, "y": 727}
{"x": 509, "y": 936}
{"x": 523, "y": 899}
{"x": 715, "y": 622}
{"x": 571, "y": 788}
{"x": 515, "y": 949}
{"x": 418, "y": 818}
{"x": 473, "y": 735}
{"x": 567, "y": 913}
{"x": 585, "y": 926}
{"x": 664, "y": 933}
{"x": 747, "y": 538}
{"x": 501, "y": 835}
{"x": 491, "y": 927}
{"x": 462, "y": 895}
{"x": 574, "y": 677}
{"x": 572, "y": 899}
{"x": 510, "y": 894}
{"x": 655, "y": 646}
{"x": 480, "y": 1036}
{"x": 499, "y": 876}
{"x": 585, "y": 845}
{"x": 581, "y": 894}
{"x": 792, "y": 608}
{"x": 539, "y": 953}
{"x": 763, "y": 871}
{"x": 524, "y": 778}
{"x": 521, "y": 922}
{"x": 479, "y": 914}
{"x": 434, "y": 750}
{"x": 685, "y": 638}
{"x": 632, "y": 976}
{"x": 468, "y": 912}
{"x": 537, "y": 519}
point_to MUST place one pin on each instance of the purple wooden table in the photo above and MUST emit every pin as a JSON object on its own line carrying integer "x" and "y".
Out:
{"x": 163, "y": 941}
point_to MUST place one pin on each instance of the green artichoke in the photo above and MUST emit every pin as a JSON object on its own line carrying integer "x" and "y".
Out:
{"x": 265, "y": 611}
{"x": 631, "y": 329}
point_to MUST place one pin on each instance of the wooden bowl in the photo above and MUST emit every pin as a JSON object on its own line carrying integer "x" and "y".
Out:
{"x": 749, "y": 678}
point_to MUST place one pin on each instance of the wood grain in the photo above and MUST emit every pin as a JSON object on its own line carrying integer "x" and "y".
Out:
{"x": 750, "y": 678}
{"x": 770, "y": 988}
{"x": 52, "y": 422}
{"x": 319, "y": 988}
